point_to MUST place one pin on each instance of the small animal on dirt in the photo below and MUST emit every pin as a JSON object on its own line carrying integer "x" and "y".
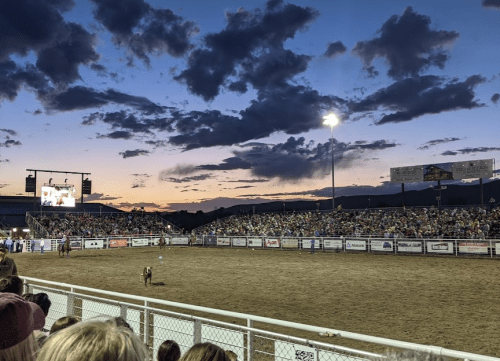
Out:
{"x": 147, "y": 273}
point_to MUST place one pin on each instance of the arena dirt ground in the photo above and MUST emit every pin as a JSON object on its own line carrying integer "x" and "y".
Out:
{"x": 442, "y": 301}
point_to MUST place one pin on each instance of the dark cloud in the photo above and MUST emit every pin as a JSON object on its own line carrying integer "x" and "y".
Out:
{"x": 144, "y": 30}
{"x": 9, "y": 131}
{"x": 119, "y": 134}
{"x": 166, "y": 178}
{"x": 80, "y": 97}
{"x": 411, "y": 98}
{"x": 38, "y": 26}
{"x": 408, "y": 45}
{"x": 99, "y": 69}
{"x": 292, "y": 110}
{"x": 495, "y": 97}
{"x": 253, "y": 41}
{"x": 493, "y": 4}
{"x": 99, "y": 197}
{"x": 13, "y": 78}
{"x": 471, "y": 150}
{"x": 134, "y": 153}
{"x": 249, "y": 181}
{"x": 295, "y": 160}
{"x": 131, "y": 122}
{"x": 334, "y": 49}
{"x": 434, "y": 142}
{"x": 10, "y": 143}
{"x": 157, "y": 143}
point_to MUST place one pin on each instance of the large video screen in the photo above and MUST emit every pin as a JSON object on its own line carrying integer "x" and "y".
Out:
{"x": 58, "y": 196}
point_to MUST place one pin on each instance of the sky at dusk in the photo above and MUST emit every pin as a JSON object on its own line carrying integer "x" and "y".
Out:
{"x": 195, "y": 105}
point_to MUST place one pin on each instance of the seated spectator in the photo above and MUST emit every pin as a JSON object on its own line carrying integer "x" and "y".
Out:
{"x": 94, "y": 340}
{"x": 62, "y": 323}
{"x": 169, "y": 351}
{"x": 205, "y": 352}
{"x": 18, "y": 319}
{"x": 11, "y": 284}
{"x": 7, "y": 265}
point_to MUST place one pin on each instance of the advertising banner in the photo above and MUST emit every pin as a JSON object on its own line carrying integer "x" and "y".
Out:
{"x": 239, "y": 242}
{"x": 94, "y": 243}
{"x": 473, "y": 169}
{"x": 178, "y": 241}
{"x": 76, "y": 245}
{"x": 332, "y": 243}
{"x": 440, "y": 247}
{"x": 290, "y": 243}
{"x": 272, "y": 242}
{"x": 223, "y": 241}
{"x": 155, "y": 241}
{"x": 210, "y": 240}
{"x": 351, "y": 245}
{"x": 46, "y": 245}
{"x": 473, "y": 247}
{"x": 407, "y": 174}
{"x": 255, "y": 242}
{"x": 140, "y": 242}
{"x": 294, "y": 352}
{"x": 497, "y": 248}
{"x": 199, "y": 239}
{"x": 384, "y": 246}
{"x": 306, "y": 243}
{"x": 410, "y": 246}
{"x": 117, "y": 242}
{"x": 438, "y": 171}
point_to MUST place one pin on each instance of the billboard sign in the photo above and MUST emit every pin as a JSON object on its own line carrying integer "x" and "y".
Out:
{"x": 407, "y": 174}
{"x": 473, "y": 247}
{"x": 355, "y": 245}
{"x": 255, "y": 242}
{"x": 440, "y": 247}
{"x": 409, "y": 246}
{"x": 58, "y": 196}
{"x": 94, "y": 243}
{"x": 272, "y": 242}
{"x": 223, "y": 241}
{"x": 473, "y": 169}
{"x": 332, "y": 243}
{"x": 290, "y": 243}
{"x": 385, "y": 246}
{"x": 239, "y": 242}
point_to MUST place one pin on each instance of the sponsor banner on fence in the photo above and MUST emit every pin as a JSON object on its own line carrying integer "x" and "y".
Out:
{"x": 409, "y": 246}
{"x": 332, "y": 243}
{"x": 473, "y": 247}
{"x": 180, "y": 241}
{"x": 497, "y": 248}
{"x": 210, "y": 240}
{"x": 294, "y": 352}
{"x": 223, "y": 241}
{"x": 306, "y": 243}
{"x": 355, "y": 245}
{"x": 255, "y": 242}
{"x": 239, "y": 242}
{"x": 75, "y": 244}
{"x": 156, "y": 241}
{"x": 36, "y": 244}
{"x": 117, "y": 242}
{"x": 94, "y": 243}
{"x": 199, "y": 239}
{"x": 290, "y": 243}
{"x": 440, "y": 247}
{"x": 386, "y": 246}
{"x": 272, "y": 242}
{"x": 139, "y": 242}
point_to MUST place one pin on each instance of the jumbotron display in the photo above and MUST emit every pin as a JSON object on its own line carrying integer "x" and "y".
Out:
{"x": 56, "y": 195}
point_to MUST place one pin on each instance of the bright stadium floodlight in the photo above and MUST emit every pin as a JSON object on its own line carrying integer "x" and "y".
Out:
{"x": 332, "y": 120}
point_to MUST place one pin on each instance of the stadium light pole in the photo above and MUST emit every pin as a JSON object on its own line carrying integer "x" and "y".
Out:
{"x": 331, "y": 120}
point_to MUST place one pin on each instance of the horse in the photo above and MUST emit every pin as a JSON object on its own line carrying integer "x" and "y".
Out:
{"x": 147, "y": 273}
{"x": 66, "y": 247}
{"x": 162, "y": 243}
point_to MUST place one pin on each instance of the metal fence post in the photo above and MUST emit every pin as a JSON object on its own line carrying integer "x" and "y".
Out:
{"x": 197, "y": 332}
{"x": 70, "y": 306}
{"x": 146, "y": 322}
{"x": 249, "y": 341}
{"x": 123, "y": 312}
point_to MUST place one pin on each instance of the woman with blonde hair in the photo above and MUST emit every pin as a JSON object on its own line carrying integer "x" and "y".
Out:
{"x": 97, "y": 340}
{"x": 205, "y": 352}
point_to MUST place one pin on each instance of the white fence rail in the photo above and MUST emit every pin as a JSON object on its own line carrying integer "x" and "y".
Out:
{"x": 156, "y": 325}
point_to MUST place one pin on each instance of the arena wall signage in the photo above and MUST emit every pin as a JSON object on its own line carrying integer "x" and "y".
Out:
{"x": 306, "y": 243}
{"x": 290, "y": 243}
{"x": 180, "y": 241}
{"x": 351, "y": 245}
{"x": 75, "y": 244}
{"x": 46, "y": 244}
{"x": 295, "y": 352}
{"x": 140, "y": 242}
{"x": 272, "y": 242}
{"x": 469, "y": 247}
{"x": 332, "y": 243}
{"x": 255, "y": 242}
{"x": 117, "y": 242}
{"x": 384, "y": 246}
{"x": 94, "y": 243}
{"x": 482, "y": 168}
{"x": 410, "y": 247}
{"x": 239, "y": 242}
{"x": 440, "y": 247}
{"x": 223, "y": 241}
{"x": 210, "y": 240}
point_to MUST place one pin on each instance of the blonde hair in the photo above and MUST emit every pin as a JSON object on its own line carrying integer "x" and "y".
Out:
{"x": 205, "y": 352}
{"x": 23, "y": 351}
{"x": 97, "y": 340}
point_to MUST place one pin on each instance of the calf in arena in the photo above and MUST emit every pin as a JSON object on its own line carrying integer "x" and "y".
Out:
{"x": 147, "y": 273}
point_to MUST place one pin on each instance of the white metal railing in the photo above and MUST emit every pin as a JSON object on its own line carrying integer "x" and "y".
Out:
{"x": 155, "y": 325}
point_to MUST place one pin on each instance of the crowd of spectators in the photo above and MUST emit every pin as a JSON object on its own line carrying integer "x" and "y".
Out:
{"x": 94, "y": 225}
{"x": 462, "y": 223}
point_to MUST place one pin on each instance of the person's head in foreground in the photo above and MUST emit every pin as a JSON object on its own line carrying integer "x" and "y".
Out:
{"x": 205, "y": 352}
{"x": 96, "y": 340}
{"x": 11, "y": 284}
{"x": 169, "y": 351}
{"x": 62, "y": 323}
{"x": 18, "y": 319}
